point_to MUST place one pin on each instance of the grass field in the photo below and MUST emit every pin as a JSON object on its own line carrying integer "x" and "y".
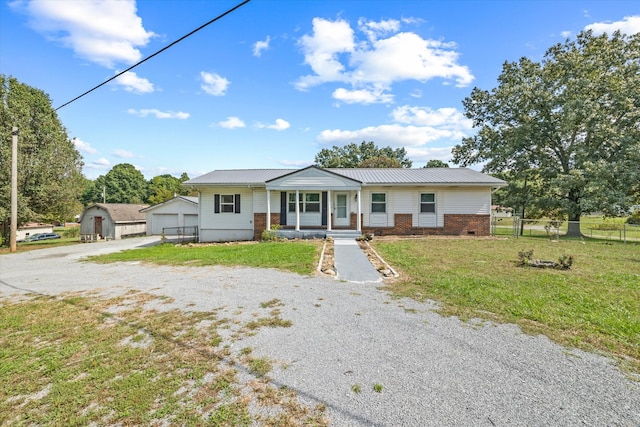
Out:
{"x": 298, "y": 257}
{"x": 610, "y": 229}
{"x": 595, "y": 305}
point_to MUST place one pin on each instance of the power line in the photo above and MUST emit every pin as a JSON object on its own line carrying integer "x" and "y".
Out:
{"x": 158, "y": 52}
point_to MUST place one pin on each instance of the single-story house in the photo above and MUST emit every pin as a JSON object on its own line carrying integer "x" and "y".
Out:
{"x": 240, "y": 204}
{"x": 31, "y": 228}
{"x": 175, "y": 216}
{"x": 112, "y": 221}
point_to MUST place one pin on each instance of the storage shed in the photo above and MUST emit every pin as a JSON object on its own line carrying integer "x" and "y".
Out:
{"x": 175, "y": 216}
{"x": 112, "y": 221}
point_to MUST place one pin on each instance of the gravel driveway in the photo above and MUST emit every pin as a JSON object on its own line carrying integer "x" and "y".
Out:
{"x": 434, "y": 371}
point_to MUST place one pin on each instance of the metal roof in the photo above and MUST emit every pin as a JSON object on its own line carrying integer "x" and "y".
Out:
{"x": 368, "y": 176}
{"x": 189, "y": 199}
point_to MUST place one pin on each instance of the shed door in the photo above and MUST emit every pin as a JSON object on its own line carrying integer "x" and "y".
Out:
{"x": 97, "y": 225}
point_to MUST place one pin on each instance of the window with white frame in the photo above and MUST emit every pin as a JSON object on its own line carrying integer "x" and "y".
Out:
{"x": 227, "y": 203}
{"x": 378, "y": 203}
{"x": 309, "y": 202}
{"x": 427, "y": 203}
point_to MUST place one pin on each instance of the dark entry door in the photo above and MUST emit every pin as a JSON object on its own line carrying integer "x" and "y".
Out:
{"x": 97, "y": 225}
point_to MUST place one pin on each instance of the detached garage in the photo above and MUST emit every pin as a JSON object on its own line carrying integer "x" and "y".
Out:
{"x": 178, "y": 216}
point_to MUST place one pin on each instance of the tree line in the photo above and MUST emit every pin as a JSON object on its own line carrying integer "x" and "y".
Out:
{"x": 125, "y": 184}
{"x": 563, "y": 132}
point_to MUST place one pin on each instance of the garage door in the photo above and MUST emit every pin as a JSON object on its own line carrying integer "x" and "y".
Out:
{"x": 190, "y": 220}
{"x": 160, "y": 221}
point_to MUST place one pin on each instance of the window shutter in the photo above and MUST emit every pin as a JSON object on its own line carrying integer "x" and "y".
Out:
{"x": 324, "y": 209}
{"x": 283, "y": 208}
{"x": 216, "y": 203}
{"x": 236, "y": 203}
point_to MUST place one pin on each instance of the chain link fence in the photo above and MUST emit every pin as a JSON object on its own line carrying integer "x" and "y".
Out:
{"x": 558, "y": 230}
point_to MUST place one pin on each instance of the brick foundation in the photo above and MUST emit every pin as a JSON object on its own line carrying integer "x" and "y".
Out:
{"x": 260, "y": 223}
{"x": 454, "y": 225}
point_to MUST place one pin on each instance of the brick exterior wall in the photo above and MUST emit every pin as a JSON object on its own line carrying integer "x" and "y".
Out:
{"x": 454, "y": 225}
{"x": 259, "y": 225}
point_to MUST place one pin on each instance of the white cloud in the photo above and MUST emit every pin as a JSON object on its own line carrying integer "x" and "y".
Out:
{"x": 566, "y": 34}
{"x": 362, "y": 96}
{"x": 446, "y": 118}
{"x": 414, "y": 128}
{"x": 158, "y": 114}
{"x": 259, "y": 46}
{"x": 232, "y": 123}
{"x": 132, "y": 83}
{"x": 214, "y": 84}
{"x": 321, "y": 50}
{"x": 106, "y": 32}
{"x": 425, "y": 154}
{"x": 373, "y": 29}
{"x": 83, "y": 147}
{"x": 629, "y": 25}
{"x": 101, "y": 163}
{"x": 386, "y": 56}
{"x": 394, "y": 135}
{"x": 279, "y": 125}
{"x": 124, "y": 154}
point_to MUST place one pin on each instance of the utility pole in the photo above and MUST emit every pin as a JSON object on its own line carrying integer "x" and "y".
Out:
{"x": 14, "y": 189}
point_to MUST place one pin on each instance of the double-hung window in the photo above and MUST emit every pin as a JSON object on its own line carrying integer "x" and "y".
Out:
{"x": 378, "y": 203}
{"x": 226, "y": 203}
{"x": 427, "y": 203}
{"x": 309, "y": 202}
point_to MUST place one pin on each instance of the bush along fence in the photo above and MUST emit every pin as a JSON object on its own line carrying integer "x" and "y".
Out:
{"x": 558, "y": 229}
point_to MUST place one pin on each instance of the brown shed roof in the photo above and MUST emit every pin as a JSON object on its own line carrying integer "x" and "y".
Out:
{"x": 123, "y": 212}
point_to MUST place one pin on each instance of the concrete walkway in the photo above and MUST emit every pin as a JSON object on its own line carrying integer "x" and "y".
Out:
{"x": 351, "y": 263}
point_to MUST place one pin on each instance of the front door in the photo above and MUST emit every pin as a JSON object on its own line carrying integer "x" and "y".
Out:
{"x": 341, "y": 211}
{"x": 97, "y": 225}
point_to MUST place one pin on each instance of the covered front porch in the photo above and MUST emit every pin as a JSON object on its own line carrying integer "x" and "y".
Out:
{"x": 314, "y": 202}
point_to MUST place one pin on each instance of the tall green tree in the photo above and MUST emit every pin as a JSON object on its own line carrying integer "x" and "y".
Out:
{"x": 357, "y": 156}
{"x": 165, "y": 187}
{"x": 49, "y": 166}
{"x": 572, "y": 120}
{"x": 122, "y": 184}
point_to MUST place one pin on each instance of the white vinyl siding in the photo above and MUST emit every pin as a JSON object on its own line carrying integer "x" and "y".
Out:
{"x": 476, "y": 202}
{"x": 226, "y": 221}
{"x": 377, "y": 219}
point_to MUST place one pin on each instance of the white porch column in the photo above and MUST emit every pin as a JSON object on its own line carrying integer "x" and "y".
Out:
{"x": 358, "y": 219}
{"x": 268, "y": 209}
{"x": 328, "y": 210}
{"x": 297, "y": 210}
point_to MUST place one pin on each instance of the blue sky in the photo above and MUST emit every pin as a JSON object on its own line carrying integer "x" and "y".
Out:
{"x": 274, "y": 82}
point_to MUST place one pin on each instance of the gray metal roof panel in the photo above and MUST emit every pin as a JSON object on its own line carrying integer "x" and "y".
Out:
{"x": 386, "y": 176}
{"x": 239, "y": 176}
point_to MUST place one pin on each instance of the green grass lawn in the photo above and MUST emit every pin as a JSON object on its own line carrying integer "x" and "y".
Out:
{"x": 595, "y": 305}
{"x": 299, "y": 257}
